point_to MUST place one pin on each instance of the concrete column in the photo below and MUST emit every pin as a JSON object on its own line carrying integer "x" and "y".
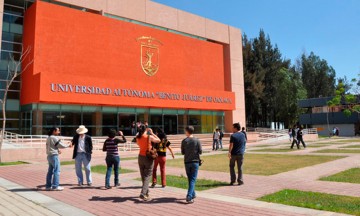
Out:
{"x": 97, "y": 119}
{"x": 37, "y": 120}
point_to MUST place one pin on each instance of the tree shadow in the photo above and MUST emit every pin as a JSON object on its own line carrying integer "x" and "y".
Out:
{"x": 130, "y": 187}
{"x": 136, "y": 200}
{"x": 23, "y": 190}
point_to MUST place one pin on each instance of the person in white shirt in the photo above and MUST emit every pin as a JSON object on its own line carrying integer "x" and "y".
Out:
{"x": 216, "y": 138}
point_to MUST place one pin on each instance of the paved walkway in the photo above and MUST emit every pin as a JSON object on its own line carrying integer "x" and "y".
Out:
{"x": 25, "y": 182}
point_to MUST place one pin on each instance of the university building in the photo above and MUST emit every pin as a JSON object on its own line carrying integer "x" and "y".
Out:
{"x": 107, "y": 63}
{"x": 319, "y": 115}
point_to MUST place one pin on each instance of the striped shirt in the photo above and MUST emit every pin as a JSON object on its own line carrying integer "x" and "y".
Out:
{"x": 111, "y": 146}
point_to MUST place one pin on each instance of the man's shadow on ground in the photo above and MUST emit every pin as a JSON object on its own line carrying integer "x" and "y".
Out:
{"x": 136, "y": 200}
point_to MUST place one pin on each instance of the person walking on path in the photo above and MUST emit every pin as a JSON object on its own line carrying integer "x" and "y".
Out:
{"x": 294, "y": 138}
{"x": 191, "y": 149}
{"x": 112, "y": 157}
{"x": 216, "y": 137}
{"x": 300, "y": 138}
{"x": 146, "y": 164}
{"x": 243, "y": 130}
{"x": 236, "y": 154}
{"x": 82, "y": 154}
{"x": 53, "y": 146}
{"x": 161, "y": 148}
{"x": 220, "y": 139}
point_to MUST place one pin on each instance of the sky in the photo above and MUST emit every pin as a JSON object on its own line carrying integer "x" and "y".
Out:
{"x": 329, "y": 28}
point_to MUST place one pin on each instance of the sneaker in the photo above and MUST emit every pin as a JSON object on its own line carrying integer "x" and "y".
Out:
{"x": 194, "y": 197}
{"x": 153, "y": 185}
{"x": 240, "y": 182}
{"x": 80, "y": 184}
{"x": 58, "y": 188}
{"x": 190, "y": 201}
{"x": 164, "y": 186}
{"x": 117, "y": 185}
{"x": 48, "y": 189}
{"x": 232, "y": 183}
{"x": 89, "y": 184}
{"x": 108, "y": 187}
{"x": 145, "y": 198}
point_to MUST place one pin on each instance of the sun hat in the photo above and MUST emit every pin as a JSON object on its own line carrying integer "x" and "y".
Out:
{"x": 82, "y": 130}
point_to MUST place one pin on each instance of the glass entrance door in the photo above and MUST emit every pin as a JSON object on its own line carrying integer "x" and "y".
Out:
{"x": 170, "y": 124}
{"x": 125, "y": 122}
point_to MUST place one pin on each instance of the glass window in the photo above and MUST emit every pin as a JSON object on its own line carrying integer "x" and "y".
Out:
{"x": 109, "y": 121}
{"x": 87, "y": 119}
{"x": 125, "y": 122}
{"x": 195, "y": 121}
{"x": 156, "y": 121}
{"x": 51, "y": 118}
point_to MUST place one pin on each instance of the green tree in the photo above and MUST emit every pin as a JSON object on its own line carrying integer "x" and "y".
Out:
{"x": 317, "y": 76}
{"x": 272, "y": 87}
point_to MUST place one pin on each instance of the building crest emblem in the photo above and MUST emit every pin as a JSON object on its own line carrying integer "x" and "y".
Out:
{"x": 150, "y": 54}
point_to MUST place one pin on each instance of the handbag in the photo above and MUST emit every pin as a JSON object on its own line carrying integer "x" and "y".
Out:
{"x": 151, "y": 154}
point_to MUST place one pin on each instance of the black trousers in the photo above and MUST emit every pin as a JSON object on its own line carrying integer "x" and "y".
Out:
{"x": 295, "y": 142}
{"x": 300, "y": 139}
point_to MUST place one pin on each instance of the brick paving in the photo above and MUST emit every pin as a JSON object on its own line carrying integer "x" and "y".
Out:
{"x": 219, "y": 201}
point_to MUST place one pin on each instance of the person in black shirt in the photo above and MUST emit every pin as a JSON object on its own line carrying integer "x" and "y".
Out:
{"x": 300, "y": 138}
{"x": 191, "y": 149}
{"x": 236, "y": 153}
{"x": 161, "y": 148}
{"x": 294, "y": 138}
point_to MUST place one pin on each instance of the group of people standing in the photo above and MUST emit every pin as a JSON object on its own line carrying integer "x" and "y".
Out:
{"x": 82, "y": 150}
{"x": 148, "y": 142}
{"x": 296, "y": 134}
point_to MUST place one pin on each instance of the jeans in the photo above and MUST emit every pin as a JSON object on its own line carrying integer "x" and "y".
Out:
{"x": 146, "y": 167}
{"x": 79, "y": 161}
{"x": 161, "y": 160}
{"x": 220, "y": 143}
{"x": 239, "y": 160}
{"x": 216, "y": 144}
{"x": 53, "y": 171}
{"x": 112, "y": 161}
{"x": 191, "y": 172}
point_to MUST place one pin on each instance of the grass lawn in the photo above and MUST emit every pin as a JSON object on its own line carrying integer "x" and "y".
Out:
{"x": 274, "y": 150}
{"x": 354, "y": 151}
{"x": 64, "y": 163}
{"x": 182, "y": 182}
{"x": 346, "y": 140}
{"x": 259, "y": 164}
{"x": 13, "y": 163}
{"x": 352, "y": 146}
{"x": 101, "y": 169}
{"x": 316, "y": 145}
{"x": 350, "y": 176}
{"x": 313, "y": 200}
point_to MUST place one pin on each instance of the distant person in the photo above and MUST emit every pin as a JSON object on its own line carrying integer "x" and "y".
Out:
{"x": 112, "y": 157}
{"x": 133, "y": 128}
{"x": 334, "y": 131}
{"x": 82, "y": 154}
{"x": 236, "y": 154}
{"x": 53, "y": 146}
{"x": 216, "y": 138}
{"x": 337, "y": 132}
{"x": 290, "y": 134}
{"x": 221, "y": 139}
{"x": 161, "y": 148}
{"x": 191, "y": 149}
{"x": 300, "y": 138}
{"x": 146, "y": 164}
{"x": 294, "y": 136}
{"x": 243, "y": 130}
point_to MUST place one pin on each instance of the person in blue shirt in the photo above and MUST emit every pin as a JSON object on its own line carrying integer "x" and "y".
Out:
{"x": 236, "y": 154}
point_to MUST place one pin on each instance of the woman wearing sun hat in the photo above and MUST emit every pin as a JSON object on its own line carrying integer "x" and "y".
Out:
{"x": 82, "y": 154}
